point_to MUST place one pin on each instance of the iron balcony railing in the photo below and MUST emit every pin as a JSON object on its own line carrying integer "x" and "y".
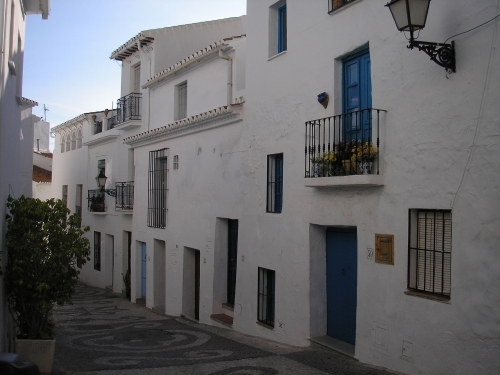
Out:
{"x": 128, "y": 108}
{"x": 97, "y": 127}
{"x": 343, "y": 145}
{"x": 111, "y": 122}
{"x": 125, "y": 195}
{"x": 336, "y": 4}
{"x": 96, "y": 201}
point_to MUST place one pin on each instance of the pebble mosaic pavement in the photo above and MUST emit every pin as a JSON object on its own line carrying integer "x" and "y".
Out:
{"x": 104, "y": 334}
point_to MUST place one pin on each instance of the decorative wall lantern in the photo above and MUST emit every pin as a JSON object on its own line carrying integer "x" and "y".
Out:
{"x": 411, "y": 15}
{"x": 101, "y": 182}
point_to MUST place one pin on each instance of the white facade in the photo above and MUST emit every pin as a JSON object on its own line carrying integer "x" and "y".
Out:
{"x": 41, "y": 136}
{"x": 16, "y": 125}
{"x": 247, "y": 101}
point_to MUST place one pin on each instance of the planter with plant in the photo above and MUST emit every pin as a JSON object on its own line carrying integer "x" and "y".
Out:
{"x": 364, "y": 154}
{"x": 44, "y": 243}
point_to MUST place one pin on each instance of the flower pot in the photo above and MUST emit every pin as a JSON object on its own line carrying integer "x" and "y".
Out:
{"x": 347, "y": 167}
{"x": 40, "y": 352}
{"x": 365, "y": 167}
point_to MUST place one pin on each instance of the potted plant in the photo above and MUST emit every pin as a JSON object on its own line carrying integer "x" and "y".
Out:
{"x": 364, "y": 155}
{"x": 44, "y": 243}
{"x": 97, "y": 203}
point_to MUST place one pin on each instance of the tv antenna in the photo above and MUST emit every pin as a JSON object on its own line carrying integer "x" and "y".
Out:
{"x": 45, "y": 110}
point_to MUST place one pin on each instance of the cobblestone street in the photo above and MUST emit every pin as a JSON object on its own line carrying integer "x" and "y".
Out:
{"x": 102, "y": 333}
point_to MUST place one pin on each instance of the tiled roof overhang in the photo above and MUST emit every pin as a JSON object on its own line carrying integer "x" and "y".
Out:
{"x": 216, "y": 117}
{"x": 130, "y": 47}
{"x": 186, "y": 62}
{"x": 28, "y": 102}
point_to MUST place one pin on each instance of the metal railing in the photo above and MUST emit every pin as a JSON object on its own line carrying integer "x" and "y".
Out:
{"x": 96, "y": 200}
{"x": 343, "y": 145}
{"x": 97, "y": 127}
{"x": 128, "y": 108}
{"x": 336, "y": 4}
{"x": 124, "y": 195}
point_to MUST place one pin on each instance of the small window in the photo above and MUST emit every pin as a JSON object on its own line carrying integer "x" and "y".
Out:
{"x": 277, "y": 28}
{"x": 429, "y": 253}
{"x": 137, "y": 79}
{"x": 65, "y": 194}
{"x": 101, "y": 166}
{"x": 274, "y": 183}
{"x": 336, "y": 4}
{"x": 97, "y": 251}
{"x": 265, "y": 309}
{"x": 176, "y": 161}
{"x": 181, "y": 101}
{"x": 282, "y": 31}
{"x": 157, "y": 189}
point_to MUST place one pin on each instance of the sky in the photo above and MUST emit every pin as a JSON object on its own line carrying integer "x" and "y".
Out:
{"x": 66, "y": 59}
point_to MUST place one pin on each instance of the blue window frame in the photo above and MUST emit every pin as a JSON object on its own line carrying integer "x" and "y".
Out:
{"x": 275, "y": 183}
{"x": 282, "y": 31}
{"x": 357, "y": 96}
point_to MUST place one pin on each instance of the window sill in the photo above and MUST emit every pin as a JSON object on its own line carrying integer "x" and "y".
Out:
{"x": 277, "y": 55}
{"x": 355, "y": 180}
{"x": 340, "y": 9}
{"x": 432, "y": 297}
{"x": 265, "y": 325}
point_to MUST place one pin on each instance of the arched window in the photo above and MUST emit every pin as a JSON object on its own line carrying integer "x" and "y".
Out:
{"x": 73, "y": 140}
{"x": 62, "y": 143}
{"x": 79, "y": 139}
{"x": 68, "y": 143}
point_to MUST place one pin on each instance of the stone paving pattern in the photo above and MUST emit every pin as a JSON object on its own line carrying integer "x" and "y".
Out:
{"x": 104, "y": 334}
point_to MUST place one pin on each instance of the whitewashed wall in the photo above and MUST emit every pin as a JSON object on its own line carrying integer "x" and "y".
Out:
{"x": 438, "y": 154}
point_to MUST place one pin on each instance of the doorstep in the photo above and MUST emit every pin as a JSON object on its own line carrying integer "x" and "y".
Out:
{"x": 223, "y": 319}
{"x": 337, "y": 345}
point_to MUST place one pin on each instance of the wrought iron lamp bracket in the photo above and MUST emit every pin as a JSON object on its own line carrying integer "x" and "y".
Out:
{"x": 442, "y": 54}
{"x": 110, "y": 192}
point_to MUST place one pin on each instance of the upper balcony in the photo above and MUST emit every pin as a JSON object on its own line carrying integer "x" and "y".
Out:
{"x": 344, "y": 150}
{"x": 128, "y": 111}
{"x": 97, "y": 202}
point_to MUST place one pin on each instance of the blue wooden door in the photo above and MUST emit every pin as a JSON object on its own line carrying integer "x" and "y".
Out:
{"x": 357, "y": 97}
{"x": 143, "y": 269}
{"x": 341, "y": 280}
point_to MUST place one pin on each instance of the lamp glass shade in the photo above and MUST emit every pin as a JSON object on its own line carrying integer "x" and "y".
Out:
{"x": 101, "y": 180}
{"x": 409, "y": 15}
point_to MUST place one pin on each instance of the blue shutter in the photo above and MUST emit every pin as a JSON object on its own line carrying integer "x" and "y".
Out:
{"x": 279, "y": 182}
{"x": 282, "y": 31}
{"x": 357, "y": 97}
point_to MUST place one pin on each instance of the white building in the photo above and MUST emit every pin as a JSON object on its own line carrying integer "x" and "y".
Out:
{"x": 249, "y": 212}
{"x": 16, "y": 126}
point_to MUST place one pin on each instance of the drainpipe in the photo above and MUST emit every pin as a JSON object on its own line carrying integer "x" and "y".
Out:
{"x": 229, "y": 76}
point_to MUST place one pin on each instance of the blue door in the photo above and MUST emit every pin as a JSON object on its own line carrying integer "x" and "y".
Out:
{"x": 143, "y": 270}
{"x": 357, "y": 97}
{"x": 341, "y": 283}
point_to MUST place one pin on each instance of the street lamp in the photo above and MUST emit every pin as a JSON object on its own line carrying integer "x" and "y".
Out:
{"x": 411, "y": 15}
{"x": 101, "y": 183}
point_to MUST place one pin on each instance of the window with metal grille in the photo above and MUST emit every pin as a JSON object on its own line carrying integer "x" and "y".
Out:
{"x": 97, "y": 251}
{"x": 65, "y": 194}
{"x": 181, "y": 101}
{"x": 176, "y": 161}
{"x": 265, "y": 312}
{"x": 274, "y": 183}
{"x": 336, "y": 4}
{"x": 429, "y": 254}
{"x": 157, "y": 189}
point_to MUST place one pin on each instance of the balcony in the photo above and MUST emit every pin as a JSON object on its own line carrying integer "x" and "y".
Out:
{"x": 111, "y": 122}
{"x": 97, "y": 127}
{"x": 344, "y": 150}
{"x": 124, "y": 195}
{"x": 128, "y": 111}
{"x": 96, "y": 201}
